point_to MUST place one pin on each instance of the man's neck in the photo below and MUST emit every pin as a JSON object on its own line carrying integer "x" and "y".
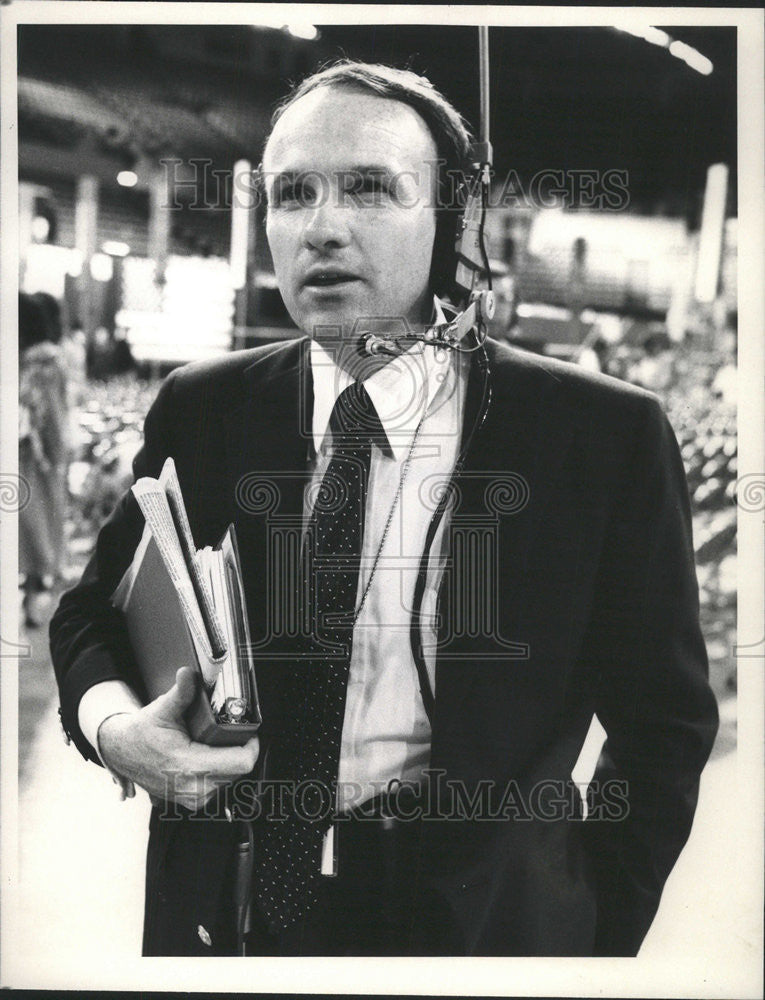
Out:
{"x": 400, "y": 391}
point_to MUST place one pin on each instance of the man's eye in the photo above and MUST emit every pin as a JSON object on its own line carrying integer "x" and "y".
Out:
{"x": 374, "y": 185}
{"x": 368, "y": 189}
{"x": 285, "y": 194}
{"x": 297, "y": 194}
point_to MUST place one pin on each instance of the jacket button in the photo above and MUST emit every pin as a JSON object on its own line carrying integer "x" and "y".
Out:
{"x": 204, "y": 937}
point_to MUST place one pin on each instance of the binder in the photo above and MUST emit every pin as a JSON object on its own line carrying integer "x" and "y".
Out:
{"x": 226, "y": 710}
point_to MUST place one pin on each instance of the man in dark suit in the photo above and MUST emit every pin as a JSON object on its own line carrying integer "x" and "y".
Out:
{"x": 500, "y": 548}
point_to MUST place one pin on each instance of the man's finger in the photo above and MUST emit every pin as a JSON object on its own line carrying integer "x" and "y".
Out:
{"x": 222, "y": 761}
{"x": 125, "y": 786}
{"x": 170, "y": 707}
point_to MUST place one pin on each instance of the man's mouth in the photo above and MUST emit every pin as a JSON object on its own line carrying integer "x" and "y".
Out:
{"x": 328, "y": 278}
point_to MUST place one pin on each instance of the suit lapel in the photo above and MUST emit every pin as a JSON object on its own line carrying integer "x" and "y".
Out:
{"x": 268, "y": 434}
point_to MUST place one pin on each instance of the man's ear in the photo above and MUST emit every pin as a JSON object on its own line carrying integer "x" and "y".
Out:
{"x": 259, "y": 186}
{"x": 444, "y": 262}
{"x": 451, "y": 195}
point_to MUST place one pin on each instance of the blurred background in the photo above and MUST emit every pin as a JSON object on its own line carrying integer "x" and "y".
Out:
{"x": 613, "y": 244}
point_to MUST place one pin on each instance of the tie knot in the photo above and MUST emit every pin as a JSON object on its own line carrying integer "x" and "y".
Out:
{"x": 354, "y": 419}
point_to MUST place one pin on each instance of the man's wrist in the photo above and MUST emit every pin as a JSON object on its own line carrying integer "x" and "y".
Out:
{"x": 101, "y": 702}
{"x": 99, "y": 746}
{"x": 125, "y": 785}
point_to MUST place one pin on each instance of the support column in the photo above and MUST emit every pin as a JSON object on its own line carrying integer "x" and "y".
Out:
{"x": 242, "y": 246}
{"x": 159, "y": 221}
{"x": 86, "y": 241}
{"x": 711, "y": 234}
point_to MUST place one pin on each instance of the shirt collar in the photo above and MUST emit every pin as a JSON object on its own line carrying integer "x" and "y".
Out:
{"x": 401, "y": 391}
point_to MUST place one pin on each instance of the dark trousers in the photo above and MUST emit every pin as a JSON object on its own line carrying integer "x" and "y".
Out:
{"x": 375, "y": 905}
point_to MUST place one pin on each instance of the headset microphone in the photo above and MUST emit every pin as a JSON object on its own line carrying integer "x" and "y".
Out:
{"x": 375, "y": 345}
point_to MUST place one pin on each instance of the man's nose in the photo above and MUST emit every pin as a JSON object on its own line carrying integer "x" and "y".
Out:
{"x": 327, "y": 225}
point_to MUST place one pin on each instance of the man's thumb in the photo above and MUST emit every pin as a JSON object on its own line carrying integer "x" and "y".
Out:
{"x": 172, "y": 705}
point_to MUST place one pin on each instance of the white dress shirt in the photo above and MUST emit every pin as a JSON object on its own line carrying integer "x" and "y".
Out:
{"x": 419, "y": 399}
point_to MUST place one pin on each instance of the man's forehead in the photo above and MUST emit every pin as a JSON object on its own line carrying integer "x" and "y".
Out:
{"x": 335, "y": 122}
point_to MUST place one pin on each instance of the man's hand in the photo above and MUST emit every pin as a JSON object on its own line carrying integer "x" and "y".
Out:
{"x": 152, "y": 748}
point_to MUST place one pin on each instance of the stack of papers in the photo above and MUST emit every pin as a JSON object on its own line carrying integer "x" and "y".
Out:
{"x": 185, "y": 607}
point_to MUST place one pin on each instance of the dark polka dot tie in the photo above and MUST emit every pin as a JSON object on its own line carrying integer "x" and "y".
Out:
{"x": 287, "y": 867}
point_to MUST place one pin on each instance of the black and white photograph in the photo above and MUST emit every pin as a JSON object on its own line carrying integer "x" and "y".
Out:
{"x": 383, "y": 505}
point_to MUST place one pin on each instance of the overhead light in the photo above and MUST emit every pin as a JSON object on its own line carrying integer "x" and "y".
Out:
{"x": 657, "y": 37}
{"x": 115, "y": 248}
{"x": 692, "y": 57}
{"x": 127, "y": 178}
{"x": 298, "y": 29}
{"x": 648, "y": 33}
{"x": 302, "y": 29}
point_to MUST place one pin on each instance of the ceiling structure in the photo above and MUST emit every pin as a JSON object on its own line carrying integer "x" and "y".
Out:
{"x": 561, "y": 98}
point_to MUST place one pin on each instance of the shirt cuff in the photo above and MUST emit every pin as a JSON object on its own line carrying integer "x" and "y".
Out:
{"x": 99, "y": 702}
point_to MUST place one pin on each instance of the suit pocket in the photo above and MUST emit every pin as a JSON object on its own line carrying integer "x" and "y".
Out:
{"x": 188, "y": 887}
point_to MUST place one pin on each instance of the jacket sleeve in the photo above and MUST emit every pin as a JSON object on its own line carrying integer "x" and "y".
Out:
{"x": 88, "y": 639}
{"x": 651, "y": 690}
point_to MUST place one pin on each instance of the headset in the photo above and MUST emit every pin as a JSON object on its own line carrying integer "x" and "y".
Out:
{"x": 473, "y": 309}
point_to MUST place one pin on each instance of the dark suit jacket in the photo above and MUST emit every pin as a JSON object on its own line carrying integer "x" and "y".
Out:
{"x": 570, "y": 590}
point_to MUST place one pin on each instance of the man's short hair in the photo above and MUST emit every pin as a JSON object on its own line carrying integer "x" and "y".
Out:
{"x": 446, "y": 125}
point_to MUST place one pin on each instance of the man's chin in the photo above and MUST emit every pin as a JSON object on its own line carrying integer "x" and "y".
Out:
{"x": 330, "y": 324}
